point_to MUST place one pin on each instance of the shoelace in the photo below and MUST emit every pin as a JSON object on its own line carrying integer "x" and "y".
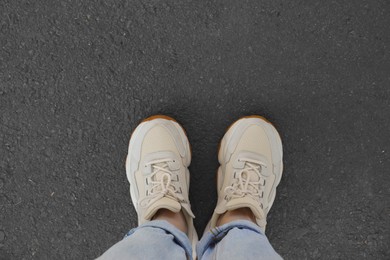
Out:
{"x": 162, "y": 186}
{"x": 243, "y": 186}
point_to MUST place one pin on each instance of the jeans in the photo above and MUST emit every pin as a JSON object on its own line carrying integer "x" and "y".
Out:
{"x": 159, "y": 239}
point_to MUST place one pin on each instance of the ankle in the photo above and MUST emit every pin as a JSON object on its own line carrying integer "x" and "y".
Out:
{"x": 236, "y": 214}
{"x": 175, "y": 218}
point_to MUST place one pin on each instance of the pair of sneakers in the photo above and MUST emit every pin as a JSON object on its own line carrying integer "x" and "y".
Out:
{"x": 250, "y": 157}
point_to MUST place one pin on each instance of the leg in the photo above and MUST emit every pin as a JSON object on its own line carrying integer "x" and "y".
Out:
{"x": 176, "y": 219}
{"x": 239, "y": 239}
{"x": 156, "y": 239}
{"x": 251, "y": 167}
{"x": 157, "y": 169}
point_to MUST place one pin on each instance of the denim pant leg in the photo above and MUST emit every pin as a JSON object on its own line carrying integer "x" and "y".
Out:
{"x": 236, "y": 240}
{"x": 156, "y": 239}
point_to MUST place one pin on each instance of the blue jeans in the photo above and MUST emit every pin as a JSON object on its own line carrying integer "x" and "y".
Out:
{"x": 159, "y": 239}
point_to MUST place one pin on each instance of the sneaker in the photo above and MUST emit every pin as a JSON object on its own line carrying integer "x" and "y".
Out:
{"x": 250, "y": 157}
{"x": 157, "y": 169}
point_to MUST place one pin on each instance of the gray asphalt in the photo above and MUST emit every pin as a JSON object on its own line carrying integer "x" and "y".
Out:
{"x": 76, "y": 77}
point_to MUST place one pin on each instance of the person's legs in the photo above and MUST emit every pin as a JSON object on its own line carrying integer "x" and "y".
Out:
{"x": 239, "y": 239}
{"x": 251, "y": 167}
{"x": 157, "y": 169}
{"x": 156, "y": 239}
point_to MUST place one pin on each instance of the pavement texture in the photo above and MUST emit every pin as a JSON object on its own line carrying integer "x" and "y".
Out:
{"x": 76, "y": 77}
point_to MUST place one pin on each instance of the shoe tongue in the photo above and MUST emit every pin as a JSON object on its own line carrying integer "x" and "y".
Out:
{"x": 251, "y": 175}
{"x": 163, "y": 203}
{"x": 166, "y": 202}
{"x": 245, "y": 202}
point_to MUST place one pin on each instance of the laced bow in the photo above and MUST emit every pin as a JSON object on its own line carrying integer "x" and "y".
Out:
{"x": 244, "y": 183}
{"x": 161, "y": 183}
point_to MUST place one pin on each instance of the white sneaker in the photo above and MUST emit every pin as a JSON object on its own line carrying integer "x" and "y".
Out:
{"x": 251, "y": 166}
{"x": 156, "y": 167}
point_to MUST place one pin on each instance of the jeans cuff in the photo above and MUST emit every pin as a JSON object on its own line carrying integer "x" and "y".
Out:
{"x": 180, "y": 237}
{"x": 216, "y": 234}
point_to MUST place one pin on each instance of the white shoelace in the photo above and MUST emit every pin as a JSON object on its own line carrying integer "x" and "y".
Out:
{"x": 243, "y": 185}
{"x": 161, "y": 182}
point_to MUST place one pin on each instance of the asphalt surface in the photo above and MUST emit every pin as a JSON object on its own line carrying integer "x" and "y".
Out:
{"x": 76, "y": 77}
